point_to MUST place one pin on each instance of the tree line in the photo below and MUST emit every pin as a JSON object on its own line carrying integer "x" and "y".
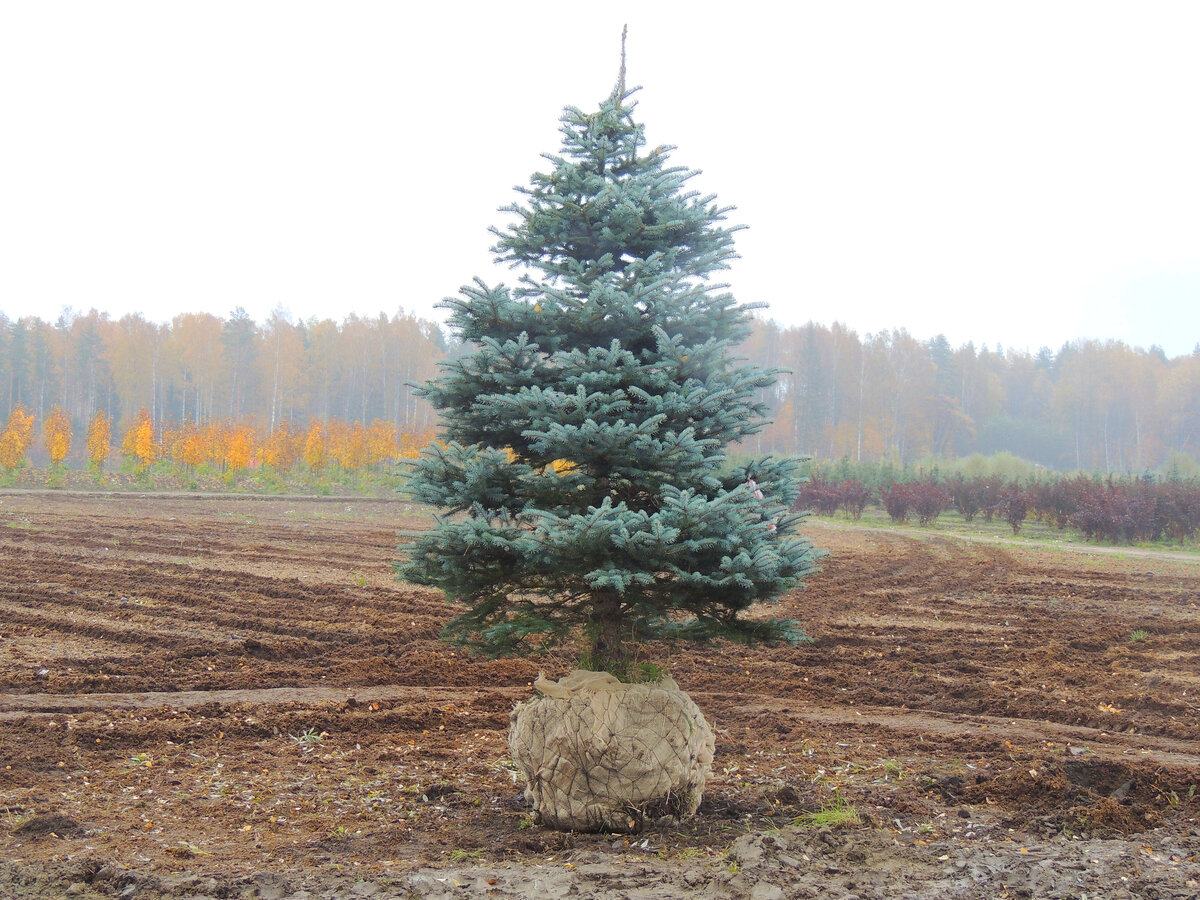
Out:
{"x": 201, "y": 368}
{"x": 1091, "y": 405}
{"x": 219, "y": 447}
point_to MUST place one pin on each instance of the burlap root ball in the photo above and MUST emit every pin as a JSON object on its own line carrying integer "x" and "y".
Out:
{"x": 599, "y": 755}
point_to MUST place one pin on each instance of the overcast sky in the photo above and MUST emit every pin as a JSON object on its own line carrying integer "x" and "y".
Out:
{"x": 1007, "y": 172}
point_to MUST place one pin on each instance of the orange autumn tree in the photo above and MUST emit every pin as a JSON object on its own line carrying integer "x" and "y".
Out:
{"x": 347, "y": 444}
{"x": 188, "y": 446}
{"x": 99, "y": 439}
{"x": 228, "y": 446}
{"x": 281, "y": 450}
{"x": 16, "y": 438}
{"x": 216, "y": 443}
{"x": 139, "y": 443}
{"x": 413, "y": 442}
{"x": 56, "y": 430}
{"x": 316, "y": 453}
{"x": 383, "y": 444}
{"x": 239, "y": 448}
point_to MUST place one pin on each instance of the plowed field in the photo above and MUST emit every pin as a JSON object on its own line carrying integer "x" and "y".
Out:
{"x": 217, "y": 688}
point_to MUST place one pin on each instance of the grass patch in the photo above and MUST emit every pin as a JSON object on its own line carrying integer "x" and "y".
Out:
{"x": 839, "y": 814}
{"x": 1033, "y": 532}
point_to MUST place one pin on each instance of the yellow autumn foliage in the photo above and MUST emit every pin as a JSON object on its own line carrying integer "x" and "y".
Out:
{"x": 16, "y": 438}
{"x": 188, "y": 445}
{"x": 57, "y": 431}
{"x": 281, "y": 450}
{"x": 413, "y": 442}
{"x": 316, "y": 453}
{"x": 140, "y": 443}
{"x": 383, "y": 444}
{"x": 99, "y": 439}
{"x": 239, "y": 448}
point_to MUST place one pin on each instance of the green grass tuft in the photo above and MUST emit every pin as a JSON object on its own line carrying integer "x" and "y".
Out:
{"x": 839, "y": 814}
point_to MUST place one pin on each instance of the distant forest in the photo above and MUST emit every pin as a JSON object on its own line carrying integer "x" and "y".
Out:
{"x": 202, "y": 368}
{"x": 1090, "y": 405}
{"x": 1098, "y": 406}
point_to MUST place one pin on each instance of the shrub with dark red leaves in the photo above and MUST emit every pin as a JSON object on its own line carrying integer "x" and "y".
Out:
{"x": 1145, "y": 520}
{"x": 929, "y": 500}
{"x": 1119, "y": 512}
{"x": 990, "y": 490}
{"x": 855, "y": 497}
{"x": 1013, "y": 506}
{"x": 1055, "y": 502}
{"x": 819, "y": 495}
{"x": 965, "y": 494}
{"x": 1179, "y": 507}
{"x": 972, "y": 496}
{"x": 825, "y": 498}
{"x": 1116, "y": 510}
{"x": 897, "y": 500}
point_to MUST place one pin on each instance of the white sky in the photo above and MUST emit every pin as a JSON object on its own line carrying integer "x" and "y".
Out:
{"x": 1004, "y": 172}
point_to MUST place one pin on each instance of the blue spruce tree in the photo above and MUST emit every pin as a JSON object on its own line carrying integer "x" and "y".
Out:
{"x": 584, "y": 474}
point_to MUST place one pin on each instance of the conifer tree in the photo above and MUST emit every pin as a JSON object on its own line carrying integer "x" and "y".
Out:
{"x": 583, "y": 473}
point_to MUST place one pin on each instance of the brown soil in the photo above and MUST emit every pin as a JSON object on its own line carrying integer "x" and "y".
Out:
{"x": 224, "y": 687}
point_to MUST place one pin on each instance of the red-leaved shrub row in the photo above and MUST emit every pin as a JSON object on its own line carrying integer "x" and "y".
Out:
{"x": 826, "y": 497}
{"x": 927, "y": 499}
{"x": 1104, "y": 509}
{"x": 1120, "y": 511}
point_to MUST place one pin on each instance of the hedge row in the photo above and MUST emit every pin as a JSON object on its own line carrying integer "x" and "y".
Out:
{"x": 1104, "y": 509}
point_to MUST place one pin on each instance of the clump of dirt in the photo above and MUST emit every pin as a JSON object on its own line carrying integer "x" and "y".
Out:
{"x": 47, "y": 825}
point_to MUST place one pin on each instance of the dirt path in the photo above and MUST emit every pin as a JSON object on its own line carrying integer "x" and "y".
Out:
{"x": 1017, "y": 542}
{"x": 220, "y": 697}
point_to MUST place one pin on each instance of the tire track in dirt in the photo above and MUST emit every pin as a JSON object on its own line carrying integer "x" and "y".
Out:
{"x": 17, "y": 705}
{"x": 1060, "y": 650}
{"x": 228, "y": 600}
{"x": 992, "y": 729}
{"x": 130, "y": 621}
{"x": 125, "y": 617}
{"x": 329, "y": 549}
{"x": 998, "y": 730}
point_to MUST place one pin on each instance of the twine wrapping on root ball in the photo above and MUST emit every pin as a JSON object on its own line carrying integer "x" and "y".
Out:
{"x": 600, "y": 755}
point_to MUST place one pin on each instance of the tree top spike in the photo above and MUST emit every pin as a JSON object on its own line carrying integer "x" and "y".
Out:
{"x": 621, "y": 76}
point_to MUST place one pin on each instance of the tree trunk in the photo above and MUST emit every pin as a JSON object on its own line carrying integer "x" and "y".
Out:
{"x": 606, "y": 634}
